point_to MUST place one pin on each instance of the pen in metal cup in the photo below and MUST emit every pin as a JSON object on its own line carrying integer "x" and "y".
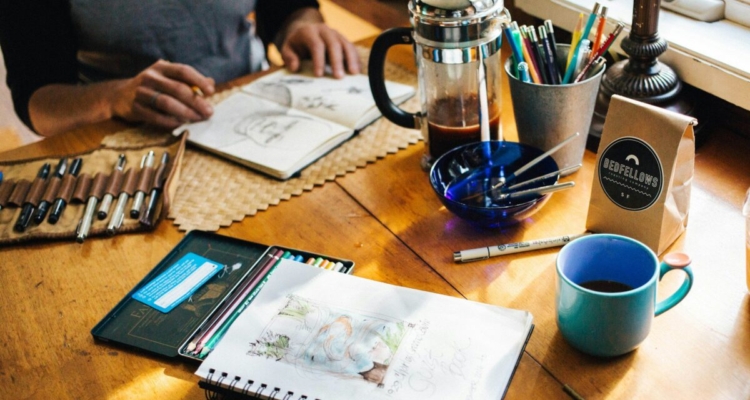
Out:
{"x": 107, "y": 199}
{"x": 28, "y": 209}
{"x": 538, "y": 48}
{"x": 584, "y": 53}
{"x": 600, "y": 52}
{"x": 553, "y": 43}
{"x": 43, "y": 207}
{"x": 549, "y": 57}
{"x": 523, "y": 72}
{"x": 139, "y": 196}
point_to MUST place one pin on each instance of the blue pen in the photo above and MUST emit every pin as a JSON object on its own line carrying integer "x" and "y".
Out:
{"x": 517, "y": 56}
{"x": 299, "y": 258}
{"x": 523, "y": 72}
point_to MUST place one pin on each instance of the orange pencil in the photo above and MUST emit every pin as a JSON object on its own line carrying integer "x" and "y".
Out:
{"x": 527, "y": 54}
{"x": 599, "y": 32}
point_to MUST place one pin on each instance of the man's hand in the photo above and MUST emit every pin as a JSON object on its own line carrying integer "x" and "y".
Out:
{"x": 165, "y": 95}
{"x": 307, "y": 36}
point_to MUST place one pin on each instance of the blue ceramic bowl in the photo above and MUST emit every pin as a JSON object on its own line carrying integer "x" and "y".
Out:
{"x": 473, "y": 168}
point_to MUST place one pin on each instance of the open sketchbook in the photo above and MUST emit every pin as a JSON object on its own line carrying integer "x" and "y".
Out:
{"x": 315, "y": 334}
{"x": 284, "y": 121}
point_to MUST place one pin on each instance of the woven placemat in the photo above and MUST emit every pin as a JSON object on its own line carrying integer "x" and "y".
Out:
{"x": 213, "y": 192}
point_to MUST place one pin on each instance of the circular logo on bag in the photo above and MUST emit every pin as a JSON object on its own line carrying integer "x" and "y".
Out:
{"x": 630, "y": 173}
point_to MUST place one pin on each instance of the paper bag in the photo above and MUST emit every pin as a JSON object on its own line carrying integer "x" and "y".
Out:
{"x": 643, "y": 173}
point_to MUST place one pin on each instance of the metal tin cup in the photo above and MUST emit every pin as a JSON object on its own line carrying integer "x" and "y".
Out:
{"x": 548, "y": 114}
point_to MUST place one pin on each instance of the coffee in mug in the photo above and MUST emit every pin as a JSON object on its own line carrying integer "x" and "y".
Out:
{"x": 606, "y": 292}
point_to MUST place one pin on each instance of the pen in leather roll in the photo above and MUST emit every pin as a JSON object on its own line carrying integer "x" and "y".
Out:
{"x": 6, "y": 187}
{"x": 28, "y": 207}
{"x": 145, "y": 180}
{"x": 97, "y": 188}
{"x": 59, "y": 206}
{"x": 115, "y": 221}
{"x": 114, "y": 183}
{"x": 153, "y": 199}
{"x": 54, "y": 184}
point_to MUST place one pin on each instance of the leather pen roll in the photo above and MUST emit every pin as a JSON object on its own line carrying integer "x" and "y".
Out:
{"x": 66, "y": 187}
{"x": 36, "y": 191}
{"x": 160, "y": 176}
{"x": 50, "y": 192}
{"x": 145, "y": 179}
{"x": 114, "y": 183}
{"x": 6, "y": 188}
{"x": 18, "y": 195}
{"x": 129, "y": 182}
{"x": 98, "y": 185}
{"x": 81, "y": 192}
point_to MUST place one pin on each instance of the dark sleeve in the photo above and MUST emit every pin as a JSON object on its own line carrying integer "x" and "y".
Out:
{"x": 271, "y": 14}
{"x": 39, "y": 47}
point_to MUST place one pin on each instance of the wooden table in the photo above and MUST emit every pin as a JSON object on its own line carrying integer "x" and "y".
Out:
{"x": 387, "y": 219}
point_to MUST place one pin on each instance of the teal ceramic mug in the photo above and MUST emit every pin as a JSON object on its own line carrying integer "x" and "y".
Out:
{"x": 606, "y": 292}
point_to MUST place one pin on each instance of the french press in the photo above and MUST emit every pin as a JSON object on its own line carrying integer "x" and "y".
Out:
{"x": 457, "y": 50}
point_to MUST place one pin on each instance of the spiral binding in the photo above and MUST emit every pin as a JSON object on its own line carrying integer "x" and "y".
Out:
{"x": 249, "y": 389}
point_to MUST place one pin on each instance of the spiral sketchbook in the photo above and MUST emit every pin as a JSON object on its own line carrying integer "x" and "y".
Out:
{"x": 313, "y": 334}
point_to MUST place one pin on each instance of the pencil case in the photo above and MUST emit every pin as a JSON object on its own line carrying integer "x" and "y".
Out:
{"x": 97, "y": 177}
{"x": 136, "y": 325}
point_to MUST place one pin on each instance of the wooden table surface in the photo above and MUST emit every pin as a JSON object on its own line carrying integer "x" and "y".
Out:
{"x": 386, "y": 218}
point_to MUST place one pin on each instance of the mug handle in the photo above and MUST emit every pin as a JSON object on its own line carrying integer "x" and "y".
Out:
{"x": 675, "y": 261}
{"x": 388, "y": 38}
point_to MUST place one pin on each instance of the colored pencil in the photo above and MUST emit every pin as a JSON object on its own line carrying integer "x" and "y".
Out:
{"x": 599, "y": 32}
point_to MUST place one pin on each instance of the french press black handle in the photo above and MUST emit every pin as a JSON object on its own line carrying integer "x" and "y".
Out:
{"x": 388, "y": 38}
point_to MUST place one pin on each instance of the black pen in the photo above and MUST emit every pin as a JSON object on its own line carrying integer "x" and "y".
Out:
{"x": 144, "y": 180}
{"x": 41, "y": 210}
{"x": 59, "y": 206}
{"x": 537, "y": 48}
{"x": 549, "y": 57}
{"x": 113, "y": 184}
{"x": 153, "y": 199}
{"x": 552, "y": 42}
{"x": 28, "y": 208}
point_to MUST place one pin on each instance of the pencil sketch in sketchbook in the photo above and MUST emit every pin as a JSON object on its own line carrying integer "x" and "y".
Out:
{"x": 321, "y": 339}
{"x": 347, "y": 101}
{"x": 282, "y": 122}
